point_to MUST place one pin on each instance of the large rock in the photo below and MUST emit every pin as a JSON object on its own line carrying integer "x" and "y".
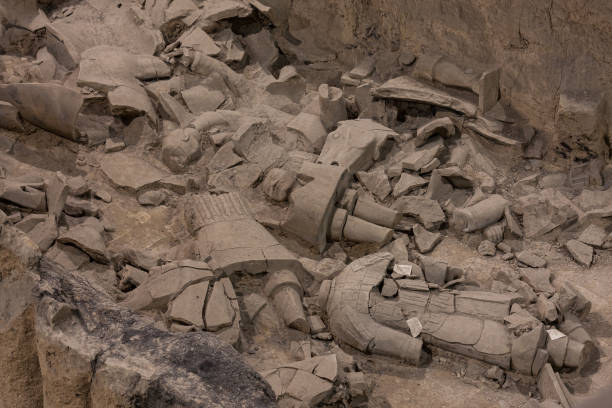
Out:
{"x": 66, "y": 344}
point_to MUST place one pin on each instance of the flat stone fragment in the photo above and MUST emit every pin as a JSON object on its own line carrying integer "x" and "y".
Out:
{"x": 551, "y": 387}
{"x": 200, "y": 41}
{"x": 425, "y": 241}
{"x": 201, "y": 99}
{"x": 389, "y": 288}
{"x": 68, "y": 257}
{"x": 141, "y": 174}
{"x": 327, "y": 367}
{"x": 405, "y": 88}
{"x": 423, "y": 158}
{"x": 326, "y": 268}
{"x": 415, "y": 326}
{"x": 538, "y": 279}
{"x": 547, "y": 310}
{"x": 188, "y": 306}
{"x": 88, "y": 239}
{"x": 582, "y": 253}
{"x": 224, "y": 158}
{"x": 219, "y": 310}
{"x": 524, "y": 349}
{"x": 428, "y": 212}
{"x": 316, "y": 324}
{"x": 376, "y": 182}
{"x": 530, "y": 259}
{"x": 363, "y": 69}
{"x": 407, "y": 183}
{"x": 594, "y": 236}
{"x": 309, "y": 388}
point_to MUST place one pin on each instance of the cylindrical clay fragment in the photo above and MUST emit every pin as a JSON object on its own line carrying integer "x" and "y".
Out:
{"x": 481, "y": 214}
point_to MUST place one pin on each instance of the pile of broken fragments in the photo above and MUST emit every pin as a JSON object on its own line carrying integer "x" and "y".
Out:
{"x": 220, "y": 125}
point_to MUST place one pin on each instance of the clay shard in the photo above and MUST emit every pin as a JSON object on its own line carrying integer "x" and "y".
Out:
{"x": 407, "y": 89}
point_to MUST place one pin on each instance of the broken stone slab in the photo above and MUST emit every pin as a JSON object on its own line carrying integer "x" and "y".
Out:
{"x": 87, "y": 238}
{"x": 364, "y": 68}
{"x": 488, "y": 90}
{"x": 582, "y": 253}
{"x": 44, "y": 233}
{"x": 481, "y": 214}
{"x": 355, "y": 145}
{"x": 9, "y": 117}
{"x": 594, "y": 236}
{"x": 141, "y": 174}
{"x": 407, "y": 183}
{"x": 236, "y": 178}
{"x": 52, "y": 107}
{"x": 312, "y": 206}
{"x": 316, "y": 324}
{"x": 530, "y": 259}
{"x": 376, "y": 182}
{"x": 538, "y": 279}
{"x": 198, "y": 40}
{"x": 443, "y": 127}
{"x": 188, "y": 306}
{"x": 224, "y": 158}
{"x": 524, "y": 349}
{"x": 219, "y": 311}
{"x": 491, "y": 130}
{"x": 326, "y": 268}
{"x": 261, "y": 49}
{"x": 299, "y": 385}
{"x": 164, "y": 282}
{"x": 389, "y": 288}
{"x": 547, "y": 310}
{"x": 68, "y": 257}
{"x": 128, "y": 102}
{"x": 200, "y": 99}
{"x": 404, "y": 88}
{"x": 545, "y": 211}
{"x": 309, "y": 130}
{"x": 289, "y": 84}
{"x": 428, "y": 212}
{"x": 226, "y": 231}
{"x": 425, "y": 241}
{"x": 277, "y": 184}
{"x": 434, "y": 270}
{"x": 423, "y": 156}
{"x": 552, "y": 388}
